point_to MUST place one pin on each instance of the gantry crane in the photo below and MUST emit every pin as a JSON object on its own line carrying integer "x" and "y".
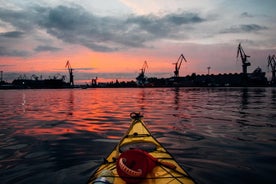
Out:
{"x": 272, "y": 64}
{"x": 178, "y": 65}
{"x": 245, "y": 62}
{"x": 141, "y": 79}
{"x": 70, "y": 70}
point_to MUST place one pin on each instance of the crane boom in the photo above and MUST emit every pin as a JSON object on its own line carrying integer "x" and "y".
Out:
{"x": 272, "y": 65}
{"x": 271, "y": 62}
{"x": 141, "y": 79}
{"x": 243, "y": 56}
{"x": 178, "y": 65}
{"x": 67, "y": 65}
{"x": 145, "y": 65}
{"x": 70, "y": 70}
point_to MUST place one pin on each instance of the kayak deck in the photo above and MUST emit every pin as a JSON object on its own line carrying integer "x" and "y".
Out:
{"x": 165, "y": 170}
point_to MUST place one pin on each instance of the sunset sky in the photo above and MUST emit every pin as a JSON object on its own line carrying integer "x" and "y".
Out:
{"x": 111, "y": 39}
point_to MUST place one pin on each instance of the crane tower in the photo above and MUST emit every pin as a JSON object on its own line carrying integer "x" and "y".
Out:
{"x": 141, "y": 79}
{"x": 272, "y": 64}
{"x": 245, "y": 62}
{"x": 71, "y": 76}
{"x": 178, "y": 65}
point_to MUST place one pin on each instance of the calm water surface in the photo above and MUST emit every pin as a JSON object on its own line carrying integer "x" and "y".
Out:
{"x": 219, "y": 135}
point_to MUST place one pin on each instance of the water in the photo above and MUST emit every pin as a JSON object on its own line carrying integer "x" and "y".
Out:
{"x": 219, "y": 135}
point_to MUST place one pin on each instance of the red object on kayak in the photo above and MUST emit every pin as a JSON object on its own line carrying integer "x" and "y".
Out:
{"x": 133, "y": 165}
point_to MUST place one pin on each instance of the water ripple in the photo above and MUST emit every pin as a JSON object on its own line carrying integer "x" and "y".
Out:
{"x": 220, "y": 135}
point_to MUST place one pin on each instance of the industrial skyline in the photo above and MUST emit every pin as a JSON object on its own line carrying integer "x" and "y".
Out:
{"x": 112, "y": 39}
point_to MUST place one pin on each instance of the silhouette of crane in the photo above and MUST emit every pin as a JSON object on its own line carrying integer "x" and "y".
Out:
{"x": 272, "y": 64}
{"x": 141, "y": 79}
{"x": 1, "y": 76}
{"x": 178, "y": 65}
{"x": 245, "y": 62}
{"x": 208, "y": 68}
{"x": 70, "y": 70}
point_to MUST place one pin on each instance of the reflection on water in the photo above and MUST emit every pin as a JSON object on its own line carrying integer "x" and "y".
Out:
{"x": 176, "y": 98}
{"x": 244, "y": 101}
{"x": 60, "y": 136}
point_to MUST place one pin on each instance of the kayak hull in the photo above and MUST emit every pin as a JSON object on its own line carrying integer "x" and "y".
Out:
{"x": 165, "y": 169}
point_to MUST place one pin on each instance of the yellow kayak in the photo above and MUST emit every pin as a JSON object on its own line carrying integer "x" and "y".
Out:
{"x": 139, "y": 158}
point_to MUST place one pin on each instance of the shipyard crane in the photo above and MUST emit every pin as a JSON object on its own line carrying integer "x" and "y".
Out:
{"x": 245, "y": 62}
{"x": 208, "y": 68}
{"x": 141, "y": 79}
{"x": 70, "y": 70}
{"x": 1, "y": 76}
{"x": 143, "y": 69}
{"x": 178, "y": 65}
{"x": 272, "y": 64}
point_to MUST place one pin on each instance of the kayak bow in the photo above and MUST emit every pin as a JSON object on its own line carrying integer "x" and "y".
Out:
{"x": 139, "y": 158}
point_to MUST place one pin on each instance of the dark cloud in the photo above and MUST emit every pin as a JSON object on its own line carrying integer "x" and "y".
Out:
{"x": 244, "y": 28}
{"x": 12, "y": 34}
{"x": 45, "y": 48}
{"x": 184, "y": 18}
{"x": 23, "y": 20}
{"x": 252, "y": 27}
{"x": 168, "y": 26}
{"x": 13, "y": 52}
{"x": 105, "y": 34}
{"x": 246, "y": 15}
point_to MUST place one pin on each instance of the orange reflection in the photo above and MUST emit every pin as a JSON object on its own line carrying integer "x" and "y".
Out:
{"x": 58, "y": 112}
{"x": 104, "y": 112}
